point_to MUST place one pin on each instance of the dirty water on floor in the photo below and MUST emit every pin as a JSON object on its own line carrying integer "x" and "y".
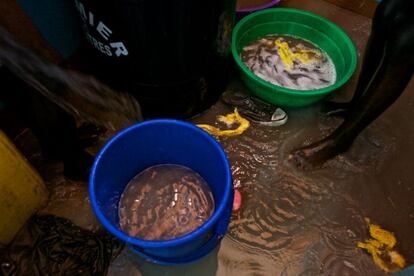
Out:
{"x": 293, "y": 222}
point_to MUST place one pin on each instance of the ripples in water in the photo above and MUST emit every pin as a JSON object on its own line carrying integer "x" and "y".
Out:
{"x": 302, "y": 223}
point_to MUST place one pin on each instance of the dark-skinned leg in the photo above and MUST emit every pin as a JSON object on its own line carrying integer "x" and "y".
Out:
{"x": 373, "y": 54}
{"x": 372, "y": 58}
{"x": 390, "y": 81}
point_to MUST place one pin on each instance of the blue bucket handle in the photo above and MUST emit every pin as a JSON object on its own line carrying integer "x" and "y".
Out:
{"x": 201, "y": 252}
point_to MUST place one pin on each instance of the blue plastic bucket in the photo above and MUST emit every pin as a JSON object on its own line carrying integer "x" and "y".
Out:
{"x": 163, "y": 142}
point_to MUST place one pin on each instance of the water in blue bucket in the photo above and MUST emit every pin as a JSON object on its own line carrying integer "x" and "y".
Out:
{"x": 165, "y": 202}
{"x": 163, "y": 142}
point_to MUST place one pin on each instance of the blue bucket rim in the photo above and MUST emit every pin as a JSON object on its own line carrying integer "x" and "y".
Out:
{"x": 167, "y": 243}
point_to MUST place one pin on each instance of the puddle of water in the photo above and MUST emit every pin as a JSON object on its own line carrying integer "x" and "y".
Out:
{"x": 306, "y": 223}
{"x": 293, "y": 222}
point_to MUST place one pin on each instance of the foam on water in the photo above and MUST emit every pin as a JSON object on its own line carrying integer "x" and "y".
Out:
{"x": 262, "y": 58}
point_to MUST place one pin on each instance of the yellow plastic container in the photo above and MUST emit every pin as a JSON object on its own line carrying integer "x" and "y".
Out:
{"x": 22, "y": 190}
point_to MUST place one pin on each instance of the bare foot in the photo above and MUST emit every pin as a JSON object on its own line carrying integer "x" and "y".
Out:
{"x": 316, "y": 154}
{"x": 336, "y": 109}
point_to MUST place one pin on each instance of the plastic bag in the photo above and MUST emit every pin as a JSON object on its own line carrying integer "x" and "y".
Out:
{"x": 49, "y": 245}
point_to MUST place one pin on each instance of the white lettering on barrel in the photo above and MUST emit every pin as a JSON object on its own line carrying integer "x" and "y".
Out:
{"x": 114, "y": 48}
{"x": 91, "y": 18}
{"x": 101, "y": 47}
{"x": 104, "y": 49}
{"x": 120, "y": 48}
{"x": 81, "y": 9}
{"x": 103, "y": 30}
{"x": 108, "y": 50}
{"x": 95, "y": 43}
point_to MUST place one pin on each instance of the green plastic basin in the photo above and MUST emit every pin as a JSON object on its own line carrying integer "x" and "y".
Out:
{"x": 306, "y": 25}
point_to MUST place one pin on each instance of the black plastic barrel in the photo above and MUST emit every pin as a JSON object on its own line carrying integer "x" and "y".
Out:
{"x": 172, "y": 55}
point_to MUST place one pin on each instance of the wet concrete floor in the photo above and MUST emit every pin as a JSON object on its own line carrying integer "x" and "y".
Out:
{"x": 293, "y": 222}
{"x": 308, "y": 223}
